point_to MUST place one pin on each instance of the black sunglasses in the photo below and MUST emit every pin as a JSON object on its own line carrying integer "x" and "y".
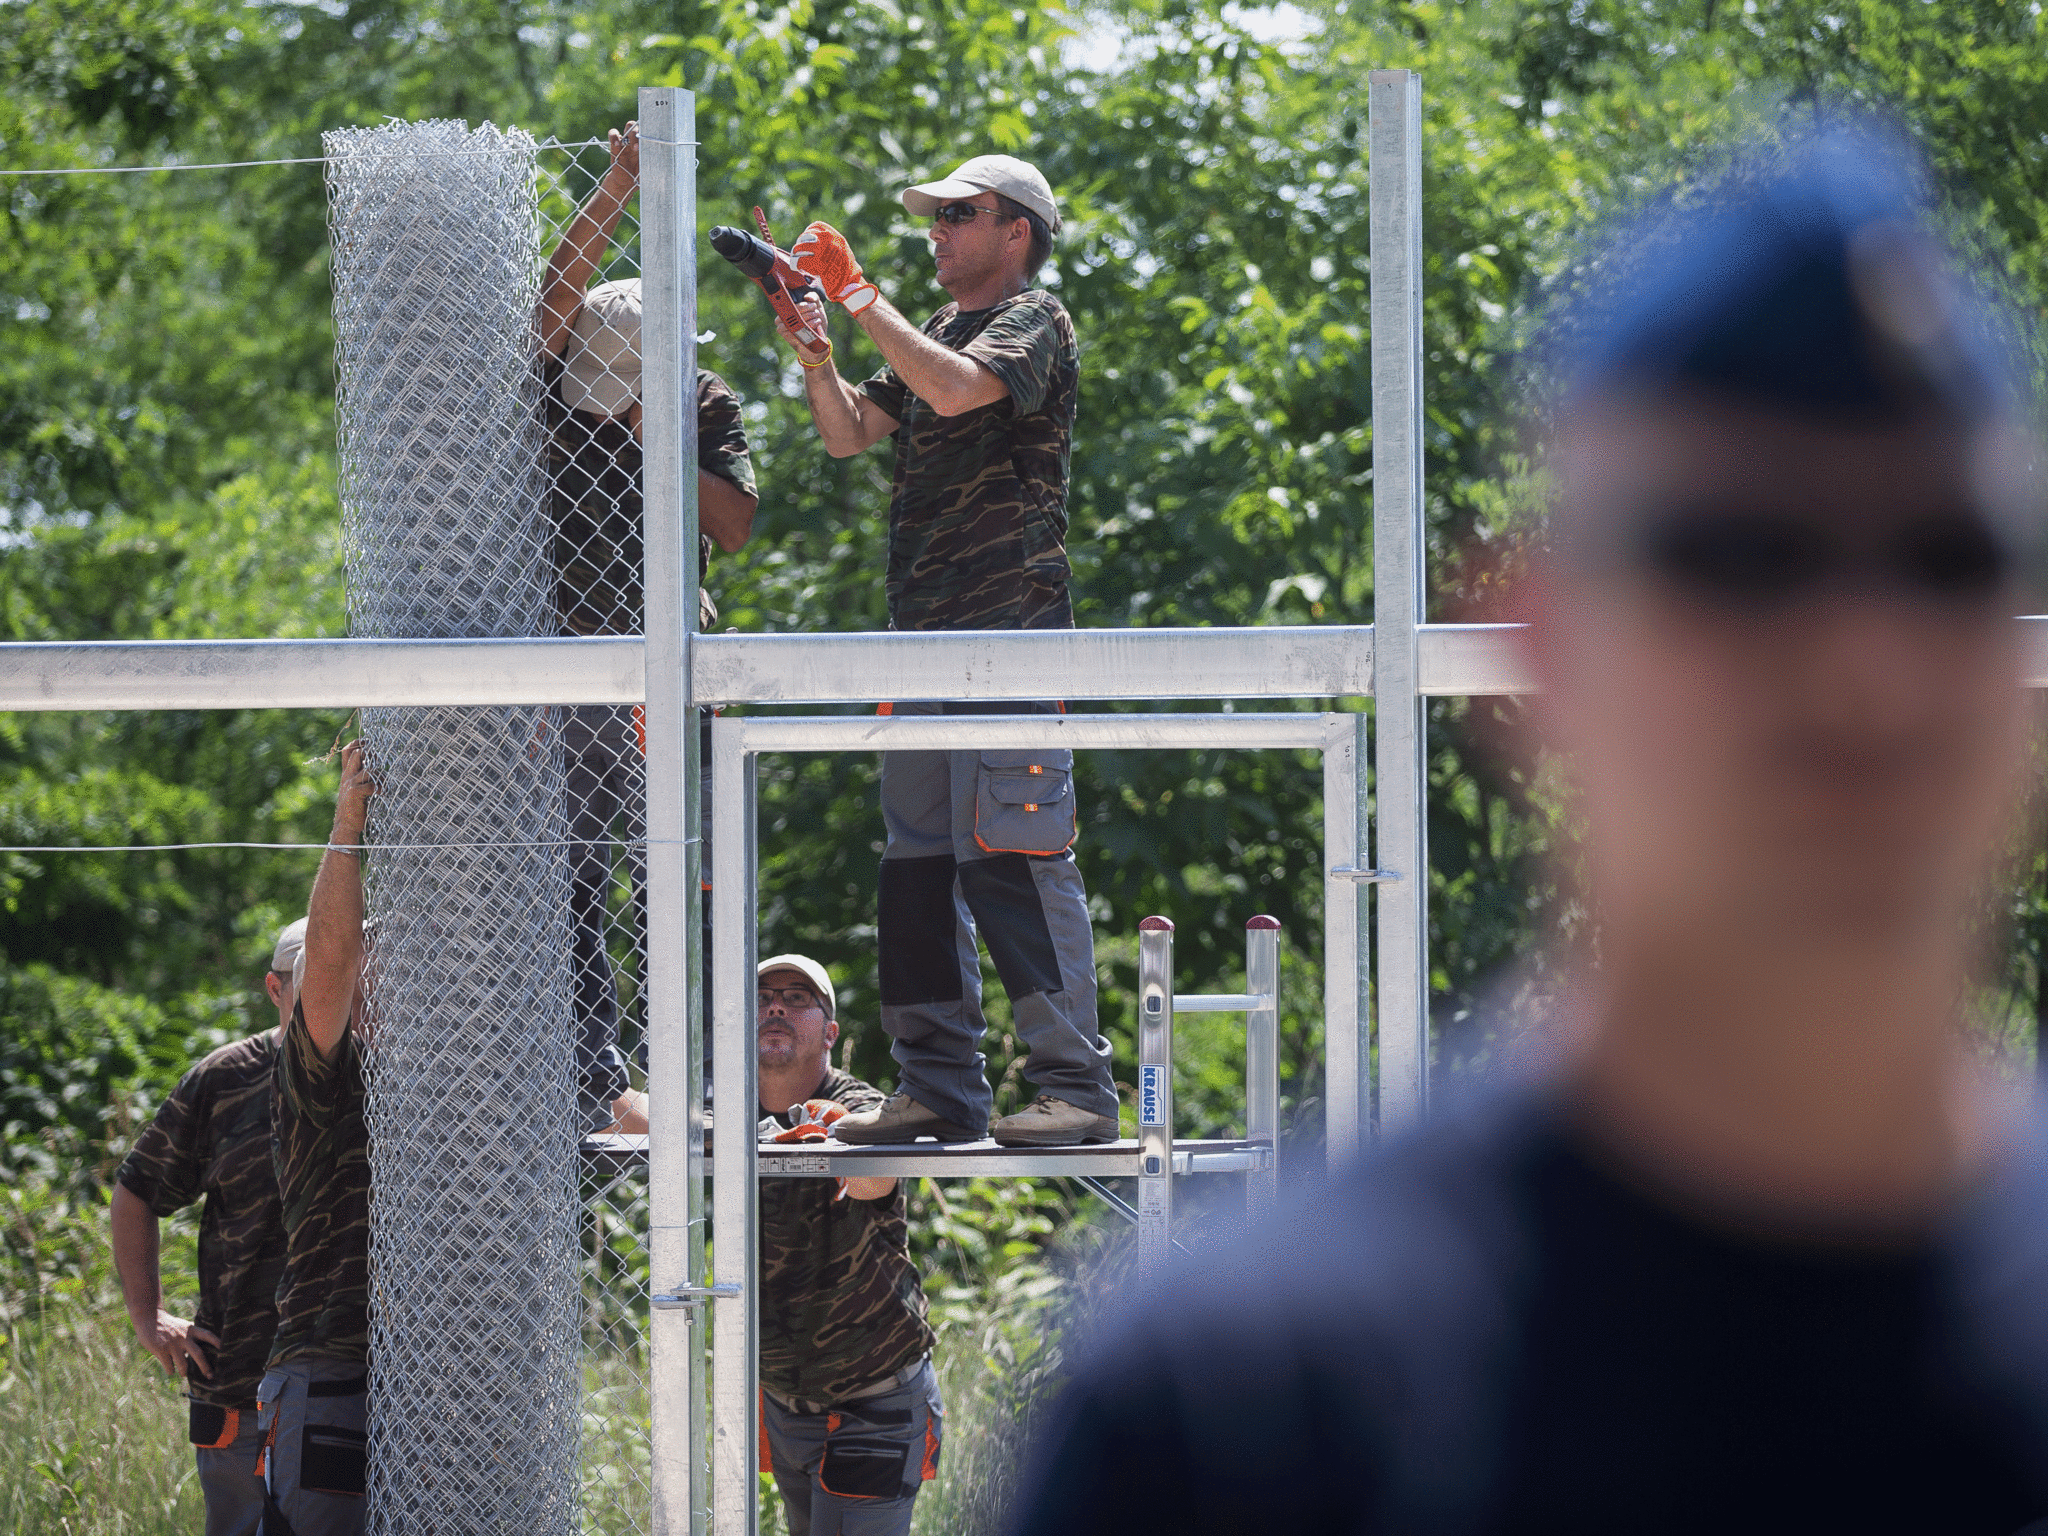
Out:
{"x": 961, "y": 213}
{"x": 1750, "y": 559}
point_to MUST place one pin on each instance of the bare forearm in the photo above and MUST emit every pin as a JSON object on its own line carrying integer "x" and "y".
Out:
{"x": 848, "y": 422}
{"x": 724, "y": 511}
{"x": 575, "y": 259}
{"x": 137, "y": 1257}
{"x": 951, "y": 382}
{"x": 870, "y": 1189}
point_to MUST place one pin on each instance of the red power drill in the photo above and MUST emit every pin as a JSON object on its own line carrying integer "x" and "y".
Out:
{"x": 771, "y": 267}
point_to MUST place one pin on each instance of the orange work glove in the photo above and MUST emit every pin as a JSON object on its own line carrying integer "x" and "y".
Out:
{"x": 822, "y": 252}
{"x": 812, "y": 1118}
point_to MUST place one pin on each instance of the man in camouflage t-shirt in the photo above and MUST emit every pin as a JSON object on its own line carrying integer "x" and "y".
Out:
{"x": 849, "y": 1400}
{"x": 211, "y": 1141}
{"x": 981, "y": 404}
{"x": 590, "y": 367}
{"x": 314, "y": 1394}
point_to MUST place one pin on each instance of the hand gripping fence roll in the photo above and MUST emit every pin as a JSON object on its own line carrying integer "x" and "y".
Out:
{"x": 474, "y": 1338}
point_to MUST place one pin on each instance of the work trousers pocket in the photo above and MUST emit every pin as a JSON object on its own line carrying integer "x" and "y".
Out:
{"x": 862, "y": 1460}
{"x": 212, "y": 1427}
{"x": 1024, "y": 802}
{"x": 332, "y": 1459}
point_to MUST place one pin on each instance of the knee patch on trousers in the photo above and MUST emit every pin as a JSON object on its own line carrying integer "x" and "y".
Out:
{"x": 1003, "y": 896}
{"x": 916, "y": 928}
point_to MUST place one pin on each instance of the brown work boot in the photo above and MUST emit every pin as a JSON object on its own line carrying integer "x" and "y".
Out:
{"x": 898, "y": 1118}
{"x": 1051, "y": 1122}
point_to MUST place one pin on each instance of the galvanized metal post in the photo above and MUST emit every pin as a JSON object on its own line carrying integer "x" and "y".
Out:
{"x": 1262, "y": 1061}
{"x": 735, "y": 1252}
{"x": 675, "y": 1147}
{"x": 1401, "y": 747}
{"x": 1347, "y": 943}
{"x": 1155, "y": 1092}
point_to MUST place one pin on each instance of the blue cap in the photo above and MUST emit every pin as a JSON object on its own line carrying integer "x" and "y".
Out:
{"x": 1813, "y": 283}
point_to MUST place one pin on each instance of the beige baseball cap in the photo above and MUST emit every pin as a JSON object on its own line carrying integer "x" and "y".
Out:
{"x": 811, "y": 971}
{"x": 601, "y": 362}
{"x": 1018, "y": 180}
{"x": 291, "y": 939}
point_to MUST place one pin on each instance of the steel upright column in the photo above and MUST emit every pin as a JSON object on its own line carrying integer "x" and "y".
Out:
{"x": 1347, "y": 943}
{"x": 1262, "y": 1060}
{"x": 1155, "y": 1093}
{"x": 735, "y": 1251}
{"x": 1398, "y": 552}
{"x": 675, "y": 1053}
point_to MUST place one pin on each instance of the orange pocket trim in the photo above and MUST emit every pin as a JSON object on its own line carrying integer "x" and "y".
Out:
{"x": 930, "y": 1468}
{"x": 765, "y": 1458}
{"x": 230, "y": 1427}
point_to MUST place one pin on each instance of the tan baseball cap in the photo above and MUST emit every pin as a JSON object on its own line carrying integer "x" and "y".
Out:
{"x": 601, "y": 362}
{"x": 1018, "y": 180}
{"x": 290, "y": 940}
{"x": 810, "y": 970}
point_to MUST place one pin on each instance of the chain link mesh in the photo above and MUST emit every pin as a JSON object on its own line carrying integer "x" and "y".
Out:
{"x": 503, "y": 974}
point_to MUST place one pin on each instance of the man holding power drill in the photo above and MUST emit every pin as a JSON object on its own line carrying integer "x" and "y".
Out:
{"x": 981, "y": 404}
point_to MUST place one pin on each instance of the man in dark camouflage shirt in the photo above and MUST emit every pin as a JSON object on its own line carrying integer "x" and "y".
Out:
{"x": 590, "y": 364}
{"x": 850, "y": 1404}
{"x": 211, "y": 1141}
{"x": 981, "y": 404}
{"x": 314, "y": 1394}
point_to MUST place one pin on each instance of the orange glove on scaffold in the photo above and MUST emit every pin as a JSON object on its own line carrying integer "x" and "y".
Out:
{"x": 822, "y": 252}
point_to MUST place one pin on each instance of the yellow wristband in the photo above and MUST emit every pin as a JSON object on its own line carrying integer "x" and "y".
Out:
{"x": 821, "y": 362}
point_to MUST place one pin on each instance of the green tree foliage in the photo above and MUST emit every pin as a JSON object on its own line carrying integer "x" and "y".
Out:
{"x": 165, "y": 398}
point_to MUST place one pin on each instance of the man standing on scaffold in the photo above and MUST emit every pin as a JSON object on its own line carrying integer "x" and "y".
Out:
{"x": 981, "y": 404}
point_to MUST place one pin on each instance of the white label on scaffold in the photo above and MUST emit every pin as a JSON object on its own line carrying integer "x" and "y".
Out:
{"x": 797, "y": 1164}
{"x": 1152, "y": 1095}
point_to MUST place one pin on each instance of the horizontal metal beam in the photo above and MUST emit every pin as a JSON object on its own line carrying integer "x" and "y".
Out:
{"x": 319, "y": 674}
{"x": 929, "y": 733}
{"x": 971, "y": 1160}
{"x": 1333, "y": 661}
{"x": 1221, "y": 1002}
{"x": 1273, "y": 662}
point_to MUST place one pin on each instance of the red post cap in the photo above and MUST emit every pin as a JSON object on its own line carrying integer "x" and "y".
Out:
{"x": 1158, "y": 925}
{"x": 1262, "y": 921}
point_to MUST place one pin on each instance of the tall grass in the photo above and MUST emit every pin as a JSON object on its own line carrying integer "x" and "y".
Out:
{"x": 92, "y": 1434}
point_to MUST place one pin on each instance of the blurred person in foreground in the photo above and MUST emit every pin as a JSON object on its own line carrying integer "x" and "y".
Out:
{"x": 850, "y": 1415}
{"x": 980, "y": 402}
{"x": 313, "y": 1398}
{"x": 1762, "y": 1242}
{"x": 590, "y": 368}
{"x": 211, "y": 1141}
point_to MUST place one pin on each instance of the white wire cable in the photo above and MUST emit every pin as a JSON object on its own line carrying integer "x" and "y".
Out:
{"x": 559, "y": 842}
{"x": 243, "y": 165}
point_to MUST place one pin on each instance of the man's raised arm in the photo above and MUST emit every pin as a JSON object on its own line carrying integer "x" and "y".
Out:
{"x": 585, "y": 241}
{"x": 334, "y": 918}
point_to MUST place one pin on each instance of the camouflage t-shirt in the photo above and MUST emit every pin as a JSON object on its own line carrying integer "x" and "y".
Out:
{"x": 593, "y": 468}
{"x": 322, "y": 1149}
{"x": 978, "y": 512}
{"x": 841, "y": 1303}
{"x": 211, "y": 1141}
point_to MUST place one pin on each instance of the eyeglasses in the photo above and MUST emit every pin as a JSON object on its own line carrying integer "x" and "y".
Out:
{"x": 961, "y": 213}
{"x": 1747, "y": 559}
{"x": 789, "y": 997}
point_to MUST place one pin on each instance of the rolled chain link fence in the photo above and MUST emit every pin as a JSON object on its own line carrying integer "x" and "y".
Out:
{"x": 508, "y": 1309}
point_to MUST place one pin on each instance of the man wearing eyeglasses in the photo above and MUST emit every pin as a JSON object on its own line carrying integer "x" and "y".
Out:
{"x": 850, "y": 1403}
{"x": 211, "y": 1141}
{"x": 980, "y": 401}
{"x": 1762, "y": 1243}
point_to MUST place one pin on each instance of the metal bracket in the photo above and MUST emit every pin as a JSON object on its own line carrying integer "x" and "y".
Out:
{"x": 693, "y": 1296}
{"x": 1364, "y": 876}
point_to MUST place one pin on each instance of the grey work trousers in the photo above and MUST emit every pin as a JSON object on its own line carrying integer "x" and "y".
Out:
{"x": 856, "y": 1469}
{"x": 227, "y": 1479}
{"x": 952, "y": 865}
{"x": 313, "y": 1417}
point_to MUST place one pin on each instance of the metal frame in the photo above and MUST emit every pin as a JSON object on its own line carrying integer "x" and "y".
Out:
{"x": 736, "y": 744}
